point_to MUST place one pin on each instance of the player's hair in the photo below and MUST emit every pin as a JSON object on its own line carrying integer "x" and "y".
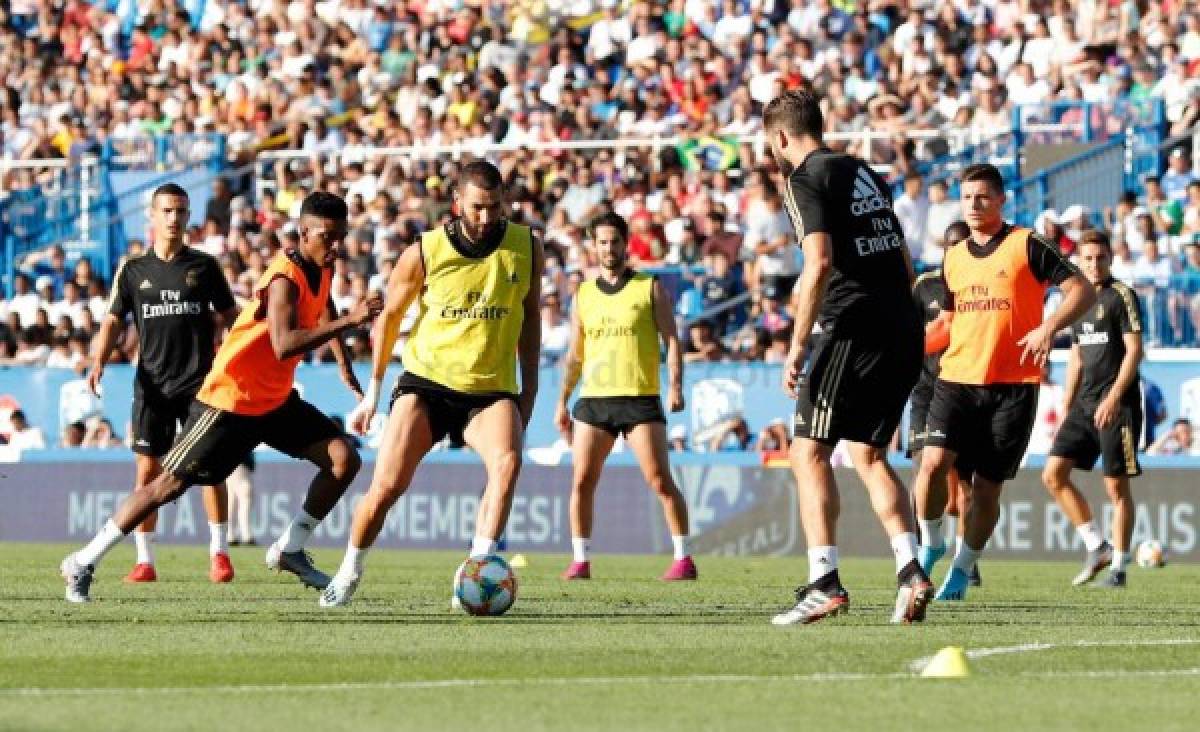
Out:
{"x": 168, "y": 189}
{"x": 956, "y": 232}
{"x": 483, "y": 174}
{"x": 1097, "y": 237}
{"x": 985, "y": 172}
{"x": 325, "y": 205}
{"x": 797, "y": 112}
{"x": 613, "y": 219}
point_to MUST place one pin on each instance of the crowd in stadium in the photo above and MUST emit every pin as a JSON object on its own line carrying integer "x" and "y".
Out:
{"x": 326, "y": 77}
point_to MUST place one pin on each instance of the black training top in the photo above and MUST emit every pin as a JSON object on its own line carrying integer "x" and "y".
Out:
{"x": 1099, "y": 334}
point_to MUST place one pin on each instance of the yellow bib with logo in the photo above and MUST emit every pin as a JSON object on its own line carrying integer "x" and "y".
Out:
{"x": 471, "y": 312}
{"x": 620, "y": 339}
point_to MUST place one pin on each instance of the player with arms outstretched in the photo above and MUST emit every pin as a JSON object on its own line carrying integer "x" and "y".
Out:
{"x": 985, "y": 398}
{"x": 172, "y": 292}
{"x": 248, "y": 399}
{"x": 616, "y": 325}
{"x": 479, "y": 283}
{"x": 857, "y": 281}
{"x": 1103, "y": 405}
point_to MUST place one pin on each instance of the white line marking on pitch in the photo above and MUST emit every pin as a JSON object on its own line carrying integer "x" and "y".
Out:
{"x": 918, "y": 665}
{"x": 580, "y": 681}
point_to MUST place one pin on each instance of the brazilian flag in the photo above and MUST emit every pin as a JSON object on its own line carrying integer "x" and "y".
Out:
{"x": 709, "y": 152}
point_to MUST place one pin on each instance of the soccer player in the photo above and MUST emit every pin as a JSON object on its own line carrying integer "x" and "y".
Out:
{"x": 1104, "y": 413}
{"x": 248, "y": 399}
{"x": 172, "y": 291}
{"x": 616, "y": 325}
{"x": 478, "y": 278}
{"x": 857, "y": 281}
{"x": 985, "y": 397}
{"x": 929, "y": 292}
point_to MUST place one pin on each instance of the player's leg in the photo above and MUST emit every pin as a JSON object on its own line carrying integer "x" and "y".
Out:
{"x": 496, "y": 434}
{"x": 980, "y": 519}
{"x": 240, "y": 489}
{"x": 407, "y": 438}
{"x": 146, "y": 469}
{"x": 216, "y": 508}
{"x": 1119, "y": 448}
{"x": 590, "y": 446}
{"x": 1077, "y": 444}
{"x": 959, "y": 489}
{"x": 931, "y": 490}
{"x": 649, "y": 444}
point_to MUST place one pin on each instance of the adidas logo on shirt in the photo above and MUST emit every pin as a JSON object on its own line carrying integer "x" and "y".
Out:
{"x": 146, "y": 285}
{"x": 867, "y": 196}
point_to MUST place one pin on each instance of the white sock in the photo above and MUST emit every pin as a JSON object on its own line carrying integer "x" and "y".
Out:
{"x": 821, "y": 561}
{"x": 217, "y": 543}
{"x": 904, "y": 547}
{"x": 297, "y": 533}
{"x": 580, "y": 549}
{"x": 482, "y": 546}
{"x": 106, "y": 538}
{"x": 931, "y": 533}
{"x": 966, "y": 557}
{"x": 1092, "y": 540}
{"x": 145, "y": 553}
{"x": 352, "y": 563}
{"x": 682, "y": 546}
{"x": 958, "y": 545}
{"x": 1120, "y": 561}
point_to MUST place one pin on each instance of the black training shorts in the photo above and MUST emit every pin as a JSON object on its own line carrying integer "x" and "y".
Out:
{"x": 155, "y": 420}
{"x": 1079, "y": 440}
{"x": 988, "y": 427}
{"x": 449, "y": 411}
{"x": 619, "y": 415}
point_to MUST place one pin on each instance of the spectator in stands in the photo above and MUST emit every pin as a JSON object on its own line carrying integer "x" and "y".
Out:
{"x": 942, "y": 212}
{"x": 1179, "y": 440}
{"x": 677, "y": 439}
{"x": 774, "y": 439}
{"x": 720, "y": 285}
{"x": 49, "y": 266}
{"x": 100, "y": 434}
{"x": 732, "y": 435}
{"x": 703, "y": 345}
{"x": 768, "y": 241}
{"x": 556, "y": 330}
{"x": 912, "y": 208}
{"x": 25, "y": 436}
{"x": 73, "y": 434}
{"x": 1154, "y": 407}
{"x": 25, "y": 302}
{"x": 1178, "y": 176}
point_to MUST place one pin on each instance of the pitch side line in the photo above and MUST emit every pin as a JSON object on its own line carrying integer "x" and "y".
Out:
{"x": 919, "y": 664}
{"x": 582, "y": 681}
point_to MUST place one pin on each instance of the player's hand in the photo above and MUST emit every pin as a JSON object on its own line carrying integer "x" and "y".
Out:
{"x": 792, "y": 367}
{"x": 351, "y": 382}
{"x": 93, "y": 378}
{"x": 1106, "y": 414}
{"x": 360, "y": 417}
{"x": 562, "y": 420}
{"x": 1036, "y": 344}
{"x": 366, "y": 310}
{"x": 675, "y": 401}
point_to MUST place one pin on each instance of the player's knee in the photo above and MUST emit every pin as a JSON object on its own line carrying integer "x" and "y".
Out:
{"x": 344, "y": 461}
{"x": 166, "y": 489}
{"x": 1054, "y": 478}
{"x": 506, "y": 466}
{"x": 662, "y": 485}
{"x": 809, "y": 452}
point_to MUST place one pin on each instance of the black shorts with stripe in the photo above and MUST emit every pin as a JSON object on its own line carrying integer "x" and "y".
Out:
{"x": 155, "y": 420}
{"x": 987, "y": 426}
{"x": 449, "y": 411}
{"x": 214, "y": 441}
{"x": 856, "y": 387}
{"x": 619, "y": 415}
{"x": 1079, "y": 440}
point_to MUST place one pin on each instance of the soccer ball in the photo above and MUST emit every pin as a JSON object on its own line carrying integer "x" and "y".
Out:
{"x": 485, "y": 586}
{"x": 1150, "y": 554}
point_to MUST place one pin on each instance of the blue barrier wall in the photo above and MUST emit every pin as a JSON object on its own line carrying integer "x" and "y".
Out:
{"x": 38, "y": 391}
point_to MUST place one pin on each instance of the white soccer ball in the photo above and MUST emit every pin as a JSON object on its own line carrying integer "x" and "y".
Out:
{"x": 1150, "y": 554}
{"x": 485, "y": 586}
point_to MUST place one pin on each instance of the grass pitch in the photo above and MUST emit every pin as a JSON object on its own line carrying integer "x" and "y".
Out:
{"x": 623, "y": 651}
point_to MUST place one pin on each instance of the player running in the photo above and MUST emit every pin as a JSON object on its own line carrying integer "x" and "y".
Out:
{"x": 172, "y": 292}
{"x": 479, "y": 283}
{"x": 929, "y": 292}
{"x": 858, "y": 275}
{"x": 985, "y": 397}
{"x": 617, "y": 323}
{"x": 248, "y": 399}
{"x": 1103, "y": 405}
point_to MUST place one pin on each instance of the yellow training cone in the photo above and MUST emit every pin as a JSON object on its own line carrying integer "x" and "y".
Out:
{"x": 518, "y": 561}
{"x": 948, "y": 663}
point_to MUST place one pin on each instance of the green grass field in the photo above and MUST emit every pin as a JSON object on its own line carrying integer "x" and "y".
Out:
{"x": 623, "y": 651}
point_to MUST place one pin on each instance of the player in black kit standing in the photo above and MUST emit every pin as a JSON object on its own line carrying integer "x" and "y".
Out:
{"x": 857, "y": 283}
{"x": 1103, "y": 405}
{"x": 174, "y": 293}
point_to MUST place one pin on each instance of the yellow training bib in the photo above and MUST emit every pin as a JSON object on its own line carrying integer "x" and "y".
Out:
{"x": 620, "y": 339}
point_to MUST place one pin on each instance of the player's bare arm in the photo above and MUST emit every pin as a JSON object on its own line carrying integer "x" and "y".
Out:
{"x": 288, "y": 340}
{"x": 403, "y": 288}
{"x": 1107, "y": 410}
{"x": 572, "y": 369}
{"x": 341, "y": 354}
{"x": 1078, "y": 297}
{"x": 818, "y": 267}
{"x": 1074, "y": 377}
{"x": 529, "y": 344}
{"x": 664, "y": 319}
{"x": 106, "y": 341}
